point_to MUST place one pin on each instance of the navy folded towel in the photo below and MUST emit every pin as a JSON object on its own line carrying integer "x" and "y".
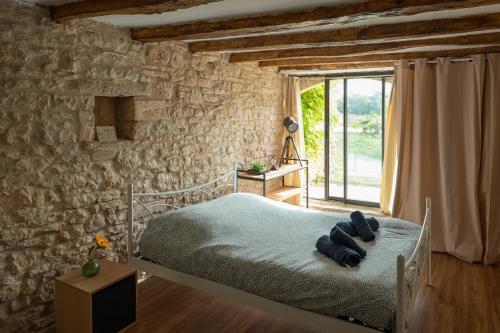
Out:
{"x": 362, "y": 227}
{"x": 342, "y": 255}
{"x": 348, "y": 226}
{"x": 338, "y": 236}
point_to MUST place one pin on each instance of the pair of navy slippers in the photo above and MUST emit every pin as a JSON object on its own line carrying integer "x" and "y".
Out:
{"x": 341, "y": 247}
{"x": 359, "y": 226}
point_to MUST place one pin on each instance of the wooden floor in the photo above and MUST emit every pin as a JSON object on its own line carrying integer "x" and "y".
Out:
{"x": 464, "y": 298}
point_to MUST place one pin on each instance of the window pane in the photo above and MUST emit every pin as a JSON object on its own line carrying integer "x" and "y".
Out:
{"x": 388, "y": 88}
{"x": 364, "y": 139}
{"x": 336, "y": 130}
{"x": 313, "y": 115}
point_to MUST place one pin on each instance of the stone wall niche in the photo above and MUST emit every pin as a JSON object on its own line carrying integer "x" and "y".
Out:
{"x": 132, "y": 117}
{"x": 108, "y": 112}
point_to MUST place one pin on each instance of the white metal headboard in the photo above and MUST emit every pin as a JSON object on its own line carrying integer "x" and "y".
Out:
{"x": 209, "y": 191}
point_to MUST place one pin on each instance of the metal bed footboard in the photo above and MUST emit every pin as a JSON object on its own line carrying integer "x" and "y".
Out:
{"x": 408, "y": 271}
{"x": 158, "y": 202}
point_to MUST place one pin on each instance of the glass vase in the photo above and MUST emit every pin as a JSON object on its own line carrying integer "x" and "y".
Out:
{"x": 91, "y": 267}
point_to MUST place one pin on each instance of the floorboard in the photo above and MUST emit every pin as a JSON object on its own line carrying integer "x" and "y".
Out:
{"x": 464, "y": 298}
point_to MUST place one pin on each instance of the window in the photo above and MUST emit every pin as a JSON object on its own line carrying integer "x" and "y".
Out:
{"x": 347, "y": 165}
{"x": 355, "y": 116}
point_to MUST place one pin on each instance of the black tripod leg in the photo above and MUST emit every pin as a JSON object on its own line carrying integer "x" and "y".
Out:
{"x": 284, "y": 153}
{"x": 296, "y": 151}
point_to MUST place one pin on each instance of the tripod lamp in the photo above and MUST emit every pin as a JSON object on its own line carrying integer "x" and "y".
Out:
{"x": 292, "y": 127}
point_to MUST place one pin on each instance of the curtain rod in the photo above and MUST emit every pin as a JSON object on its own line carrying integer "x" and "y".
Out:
{"x": 451, "y": 60}
{"x": 464, "y": 59}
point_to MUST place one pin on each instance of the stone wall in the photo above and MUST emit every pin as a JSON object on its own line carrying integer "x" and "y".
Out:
{"x": 188, "y": 118}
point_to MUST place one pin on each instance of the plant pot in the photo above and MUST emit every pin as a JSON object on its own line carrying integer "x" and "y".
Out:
{"x": 91, "y": 267}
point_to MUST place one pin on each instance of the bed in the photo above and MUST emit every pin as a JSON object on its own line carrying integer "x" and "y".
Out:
{"x": 262, "y": 253}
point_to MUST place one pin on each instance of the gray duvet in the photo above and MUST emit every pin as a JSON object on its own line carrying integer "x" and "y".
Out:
{"x": 268, "y": 249}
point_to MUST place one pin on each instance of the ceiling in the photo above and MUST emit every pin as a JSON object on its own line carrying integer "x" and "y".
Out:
{"x": 242, "y": 8}
{"x": 231, "y": 9}
{"x": 215, "y": 10}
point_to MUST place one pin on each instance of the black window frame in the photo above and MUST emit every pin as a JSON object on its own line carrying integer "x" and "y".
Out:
{"x": 346, "y": 76}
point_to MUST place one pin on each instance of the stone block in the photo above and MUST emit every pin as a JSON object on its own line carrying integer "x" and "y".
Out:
{"x": 142, "y": 109}
{"x": 103, "y": 154}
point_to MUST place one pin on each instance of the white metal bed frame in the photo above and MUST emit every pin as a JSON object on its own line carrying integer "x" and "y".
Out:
{"x": 406, "y": 269}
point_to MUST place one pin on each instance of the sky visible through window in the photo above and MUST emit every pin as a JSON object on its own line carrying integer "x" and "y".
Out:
{"x": 368, "y": 87}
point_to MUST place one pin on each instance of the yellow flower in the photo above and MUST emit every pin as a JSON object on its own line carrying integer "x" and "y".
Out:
{"x": 102, "y": 242}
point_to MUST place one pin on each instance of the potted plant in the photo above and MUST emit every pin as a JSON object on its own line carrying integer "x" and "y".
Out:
{"x": 257, "y": 168}
{"x": 94, "y": 253}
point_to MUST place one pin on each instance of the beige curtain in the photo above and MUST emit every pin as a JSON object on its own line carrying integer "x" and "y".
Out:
{"x": 489, "y": 191}
{"x": 307, "y": 83}
{"x": 390, "y": 154}
{"x": 293, "y": 107}
{"x": 447, "y": 126}
{"x": 403, "y": 102}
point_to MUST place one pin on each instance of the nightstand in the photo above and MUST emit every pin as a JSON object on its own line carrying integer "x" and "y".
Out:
{"x": 106, "y": 302}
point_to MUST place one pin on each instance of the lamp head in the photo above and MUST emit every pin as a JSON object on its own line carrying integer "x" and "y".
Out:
{"x": 290, "y": 124}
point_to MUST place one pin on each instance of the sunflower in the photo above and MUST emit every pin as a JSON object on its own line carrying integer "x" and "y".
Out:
{"x": 102, "y": 242}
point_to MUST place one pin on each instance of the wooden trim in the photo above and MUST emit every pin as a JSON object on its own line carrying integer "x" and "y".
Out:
{"x": 380, "y": 57}
{"x": 481, "y": 39}
{"x": 92, "y": 8}
{"x": 366, "y": 33}
{"x": 375, "y": 64}
{"x": 339, "y": 14}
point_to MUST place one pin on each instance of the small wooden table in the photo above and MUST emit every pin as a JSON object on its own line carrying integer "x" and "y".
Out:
{"x": 284, "y": 192}
{"x": 106, "y": 302}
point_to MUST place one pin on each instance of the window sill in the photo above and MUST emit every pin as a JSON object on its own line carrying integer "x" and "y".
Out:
{"x": 339, "y": 207}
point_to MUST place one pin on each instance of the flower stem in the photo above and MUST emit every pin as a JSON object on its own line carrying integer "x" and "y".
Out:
{"x": 91, "y": 251}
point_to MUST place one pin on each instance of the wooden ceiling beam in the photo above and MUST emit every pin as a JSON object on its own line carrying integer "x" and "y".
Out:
{"x": 92, "y": 8}
{"x": 366, "y": 33}
{"x": 339, "y": 14}
{"x": 375, "y": 64}
{"x": 381, "y": 57}
{"x": 341, "y": 50}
